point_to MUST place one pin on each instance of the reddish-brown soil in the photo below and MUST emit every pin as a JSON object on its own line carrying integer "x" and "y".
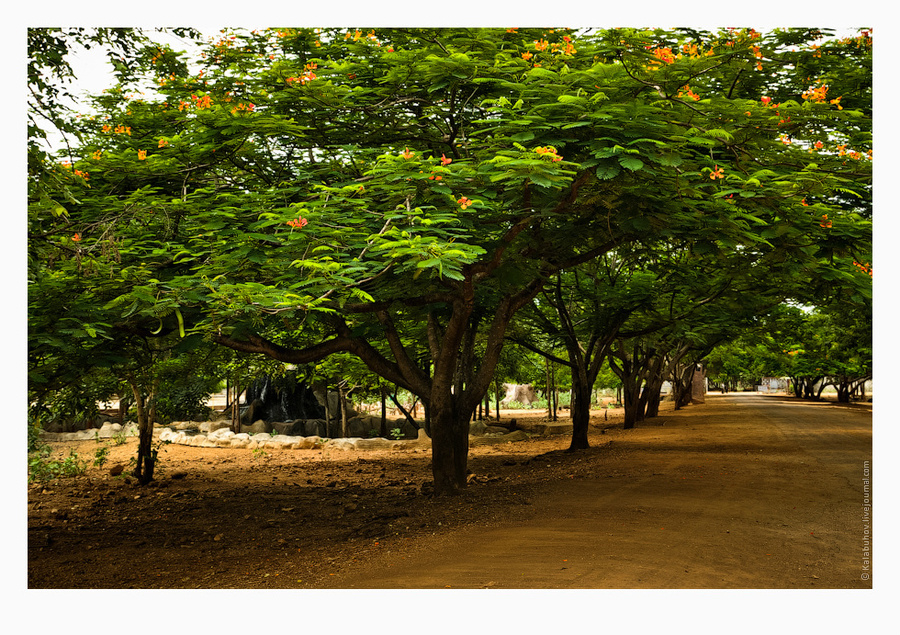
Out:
{"x": 744, "y": 491}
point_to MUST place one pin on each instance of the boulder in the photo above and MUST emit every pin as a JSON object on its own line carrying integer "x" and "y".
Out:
{"x": 259, "y": 426}
{"x": 518, "y": 435}
{"x": 308, "y": 443}
{"x": 376, "y": 444}
{"x": 477, "y": 428}
{"x": 552, "y": 427}
{"x": 212, "y": 426}
{"x": 109, "y": 430}
{"x": 221, "y": 433}
{"x": 314, "y": 428}
{"x": 523, "y": 393}
{"x": 239, "y": 441}
{"x": 362, "y": 425}
{"x": 293, "y": 428}
{"x": 341, "y": 444}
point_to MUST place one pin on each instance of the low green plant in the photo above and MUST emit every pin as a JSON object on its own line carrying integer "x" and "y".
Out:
{"x": 258, "y": 453}
{"x": 100, "y": 456}
{"x": 396, "y": 433}
{"x": 120, "y": 437}
{"x": 42, "y": 468}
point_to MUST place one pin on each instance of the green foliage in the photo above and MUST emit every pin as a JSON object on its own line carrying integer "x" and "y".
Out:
{"x": 100, "y": 456}
{"x": 397, "y": 195}
{"x": 43, "y": 468}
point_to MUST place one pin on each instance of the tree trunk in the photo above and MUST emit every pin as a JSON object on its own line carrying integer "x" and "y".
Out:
{"x": 631, "y": 389}
{"x": 236, "y": 407}
{"x": 146, "y": 460}
{"x": 449, "y": 445}
{"x": 344, "y": 430}
{"x": 383, "y": 430}
{"x": 580, "y": 411}
{"x": 653, "y": 398}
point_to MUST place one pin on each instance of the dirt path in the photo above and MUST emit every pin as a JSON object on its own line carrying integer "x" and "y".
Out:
{"x": 745, "y": 491}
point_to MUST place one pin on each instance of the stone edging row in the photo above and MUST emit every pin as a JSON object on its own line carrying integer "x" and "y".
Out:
{"x": 226, "y": 438}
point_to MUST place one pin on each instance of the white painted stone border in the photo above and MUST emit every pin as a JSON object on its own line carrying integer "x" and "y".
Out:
{"x": 225, "y": 438}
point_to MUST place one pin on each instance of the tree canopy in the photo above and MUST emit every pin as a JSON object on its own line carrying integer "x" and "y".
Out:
{"x": 400, "y": 194}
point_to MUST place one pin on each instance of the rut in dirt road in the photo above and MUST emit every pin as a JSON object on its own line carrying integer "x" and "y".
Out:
{"x": 745, "y": 491}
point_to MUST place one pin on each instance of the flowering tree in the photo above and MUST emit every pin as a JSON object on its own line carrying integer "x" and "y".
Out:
{"x": 397, "y": 194}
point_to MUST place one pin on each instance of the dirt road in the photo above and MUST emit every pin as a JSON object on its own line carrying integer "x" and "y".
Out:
{"x": 745, "y": 491}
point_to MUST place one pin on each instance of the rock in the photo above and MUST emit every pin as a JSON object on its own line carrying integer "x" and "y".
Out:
{"x": 477, "y": 428}
{"x": 221, "y": 433}
{"x": 342, "y": 444}
{"x": 362, "y": 425}
{"x": 212, "y": 426}
{"x": 308, "y": 443}
{"x": 314, "y": 427}
{"x": 555, "y": 427}
{"x": 293, "y": 428}
{"x": 523, "y": 393}
{"x": 108, "y": 430}
{"x": 376, "y": 444}
{"x": 117, "y": 469}
{"x": 518, "y": 435}
{"x": 258, "y": 426}
{"x": 495, "y": 430}
{"x": 240, "y": 441}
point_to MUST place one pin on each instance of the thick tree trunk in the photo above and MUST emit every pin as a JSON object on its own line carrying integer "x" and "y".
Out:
{"x": 653, "y": 399}
{"x": 580, "y": 410}
{"x": 449, "y": 446}
{"x": 631, "y": 388}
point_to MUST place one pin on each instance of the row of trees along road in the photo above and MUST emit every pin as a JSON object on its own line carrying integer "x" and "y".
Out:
{"x": 415, "y": 197}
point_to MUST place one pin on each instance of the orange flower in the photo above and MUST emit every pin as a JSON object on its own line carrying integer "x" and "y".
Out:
{"x": 407, "y": 154}
{"x": 445, "y": 160}
{"x": 718, "y": 173}
{"x": 297, "y": 222}
{"x": 76, "y": 237}
{"x": 527, "y": 56}
{"x": 163, "y": 143}
{"x": 464, "y": 202}
{"x": 825, "y": 222}
{"x": 549, "y": 151}
{"x": 664, "y": 54}
{"x": 96, "y": 155}
{"x": 142, "y": 154}
{"x": 765, "y": 100}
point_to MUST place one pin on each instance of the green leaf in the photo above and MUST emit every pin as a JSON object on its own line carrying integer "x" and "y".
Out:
{"x": 631, "y": 163}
